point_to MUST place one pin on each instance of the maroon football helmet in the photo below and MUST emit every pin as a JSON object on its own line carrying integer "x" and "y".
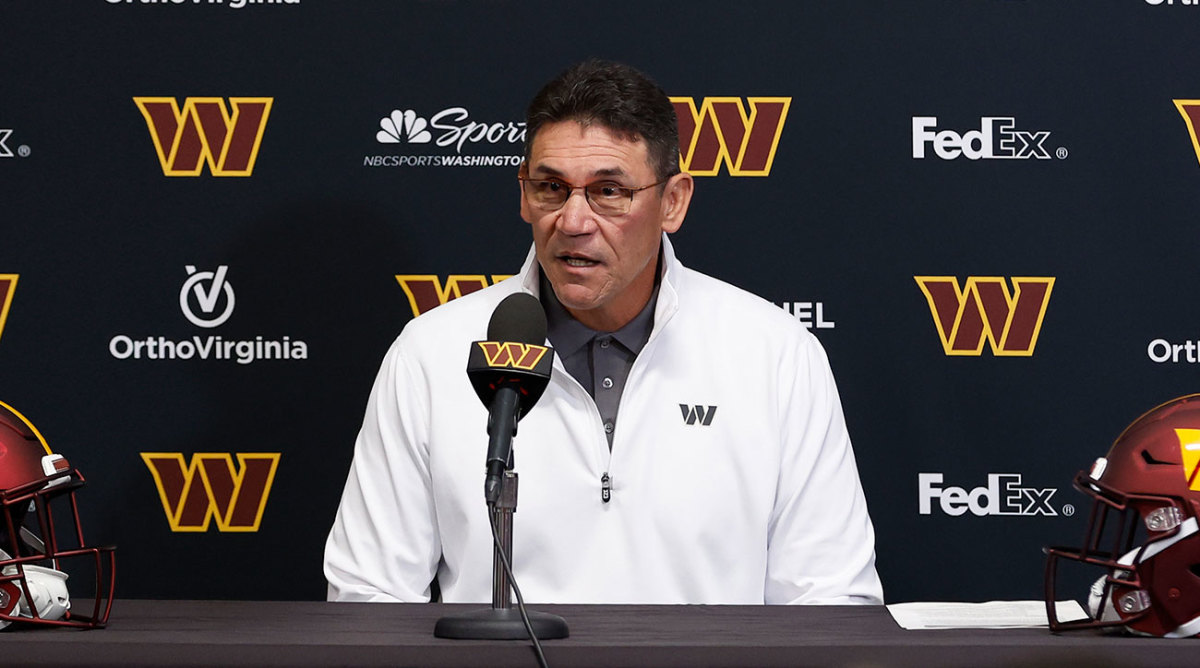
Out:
{"x": 1142, "y": 530}
{"x": 34, "y": 564}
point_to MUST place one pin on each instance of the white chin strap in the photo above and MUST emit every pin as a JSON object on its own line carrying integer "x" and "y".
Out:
{"x": 48, "y": 587}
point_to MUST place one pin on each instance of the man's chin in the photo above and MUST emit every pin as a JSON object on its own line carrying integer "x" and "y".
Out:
{"x": 576, "y": 300}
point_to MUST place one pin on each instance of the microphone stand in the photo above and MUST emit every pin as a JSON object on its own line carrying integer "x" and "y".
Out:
{"x": 501, "y": 621}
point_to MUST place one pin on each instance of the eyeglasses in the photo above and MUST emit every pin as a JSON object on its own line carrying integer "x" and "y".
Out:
{"x": 605, "y": 197}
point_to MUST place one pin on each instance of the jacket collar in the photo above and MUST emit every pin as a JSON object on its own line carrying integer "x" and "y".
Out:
{"x": 668, "y": 289}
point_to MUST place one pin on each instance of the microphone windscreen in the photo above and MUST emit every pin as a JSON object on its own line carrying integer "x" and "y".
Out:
{"x": 519, "y": 318}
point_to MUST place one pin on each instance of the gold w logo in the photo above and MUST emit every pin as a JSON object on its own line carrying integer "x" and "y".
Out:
{"x": 205, "y": 132}
{"x": 1189, "y": 445}
{"x": 722, "y": 131}
{"x": 211, "y": 488}
{"x": 425, "y": 291}
{"x": 984, "y": 309}
{"x": 511, "y": 354}
{"x": 1190, "y": 110}
{"x": 8, "y": 285}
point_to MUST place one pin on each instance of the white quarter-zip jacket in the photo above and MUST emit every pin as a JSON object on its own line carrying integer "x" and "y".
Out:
{"x": 731, "y": 476}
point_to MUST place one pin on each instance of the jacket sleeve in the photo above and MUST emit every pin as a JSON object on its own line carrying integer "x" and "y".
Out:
{"x": 821, "y": 545}
{"x": 384, "y": 542}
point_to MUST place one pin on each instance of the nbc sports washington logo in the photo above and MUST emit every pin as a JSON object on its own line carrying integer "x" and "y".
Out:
{"x": 8, "y": 286}
{"x": 986, "y": 310}
{"x": 205, "y": 131}
{"x": 210, "y": 488}
{"x": 722, "y": 131}
{"x": 412, "y": 135}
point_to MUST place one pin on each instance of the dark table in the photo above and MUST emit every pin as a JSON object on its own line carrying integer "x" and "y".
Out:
{"x": 261, "y": 633}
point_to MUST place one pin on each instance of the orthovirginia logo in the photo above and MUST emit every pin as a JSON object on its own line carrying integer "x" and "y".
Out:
{"x": 721, "y": 131}
{"x": 8, "y": 285}
{"x": 448, "y": 128}
{"x": 211, "y": 488}
{"x": 425, "y": 291}
{"x": 1162, "y": 350}
{"x": 985, "y": 309}
{"x": 207, "y": 300}
{"x": 206, "y": 132}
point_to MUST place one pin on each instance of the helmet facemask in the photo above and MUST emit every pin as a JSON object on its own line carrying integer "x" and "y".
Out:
{"x": 1143, "y": 538}
{"x": 36, "y": 562}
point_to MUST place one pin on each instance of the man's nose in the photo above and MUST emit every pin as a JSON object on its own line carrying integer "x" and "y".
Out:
{"x": 576, "y": 216}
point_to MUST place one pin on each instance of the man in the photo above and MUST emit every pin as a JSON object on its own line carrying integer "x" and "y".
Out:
{"x": 690, "y": 447}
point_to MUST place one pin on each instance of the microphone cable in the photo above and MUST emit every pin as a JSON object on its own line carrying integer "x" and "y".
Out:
{"x": 537, "y": 646}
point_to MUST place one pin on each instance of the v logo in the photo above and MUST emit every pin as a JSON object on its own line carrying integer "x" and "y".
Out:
{"x": 208, "y": 301}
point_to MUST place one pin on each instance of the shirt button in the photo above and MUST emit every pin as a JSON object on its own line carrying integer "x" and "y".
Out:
{"x": 604, "y": 343}
{"x": 607, "y": 383}
{"x": 608, "y": 427}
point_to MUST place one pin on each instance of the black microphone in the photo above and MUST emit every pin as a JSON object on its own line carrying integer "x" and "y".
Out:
{"x": 509, "y": 372}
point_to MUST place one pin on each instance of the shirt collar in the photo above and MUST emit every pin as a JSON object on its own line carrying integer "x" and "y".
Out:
{"x": 667, "y": 294}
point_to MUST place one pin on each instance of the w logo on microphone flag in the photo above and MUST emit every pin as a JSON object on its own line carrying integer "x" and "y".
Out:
{"x": 510, "y": 354}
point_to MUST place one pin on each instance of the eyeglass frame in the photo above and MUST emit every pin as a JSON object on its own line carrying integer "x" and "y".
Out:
{"x": 571, "y": 188}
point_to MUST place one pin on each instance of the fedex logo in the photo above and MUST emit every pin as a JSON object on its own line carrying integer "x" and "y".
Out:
{"x": 1003, "y": 495}
{"x": 996, "y": 139}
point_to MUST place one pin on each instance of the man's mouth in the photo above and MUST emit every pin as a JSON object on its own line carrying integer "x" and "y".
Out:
{"x": 574, "y": 261}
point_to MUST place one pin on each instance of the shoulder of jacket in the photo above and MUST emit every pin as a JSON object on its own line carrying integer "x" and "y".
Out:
{"x": 717, "y": 301}
{"x": 462, "y": 319}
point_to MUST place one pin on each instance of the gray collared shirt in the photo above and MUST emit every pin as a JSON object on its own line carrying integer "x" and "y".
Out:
{"x": 600, "y": 361}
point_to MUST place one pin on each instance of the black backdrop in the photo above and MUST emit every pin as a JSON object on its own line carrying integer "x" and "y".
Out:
{"x": 313, "y": 239}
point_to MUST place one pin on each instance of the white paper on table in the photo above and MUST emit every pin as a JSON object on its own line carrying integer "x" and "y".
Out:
{"x": 990, "y": 615}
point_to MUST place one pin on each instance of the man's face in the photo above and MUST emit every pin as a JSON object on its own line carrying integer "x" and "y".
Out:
{"x": 602, "y": 267}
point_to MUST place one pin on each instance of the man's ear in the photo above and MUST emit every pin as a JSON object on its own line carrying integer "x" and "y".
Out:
{"x": 677, "y": 195}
